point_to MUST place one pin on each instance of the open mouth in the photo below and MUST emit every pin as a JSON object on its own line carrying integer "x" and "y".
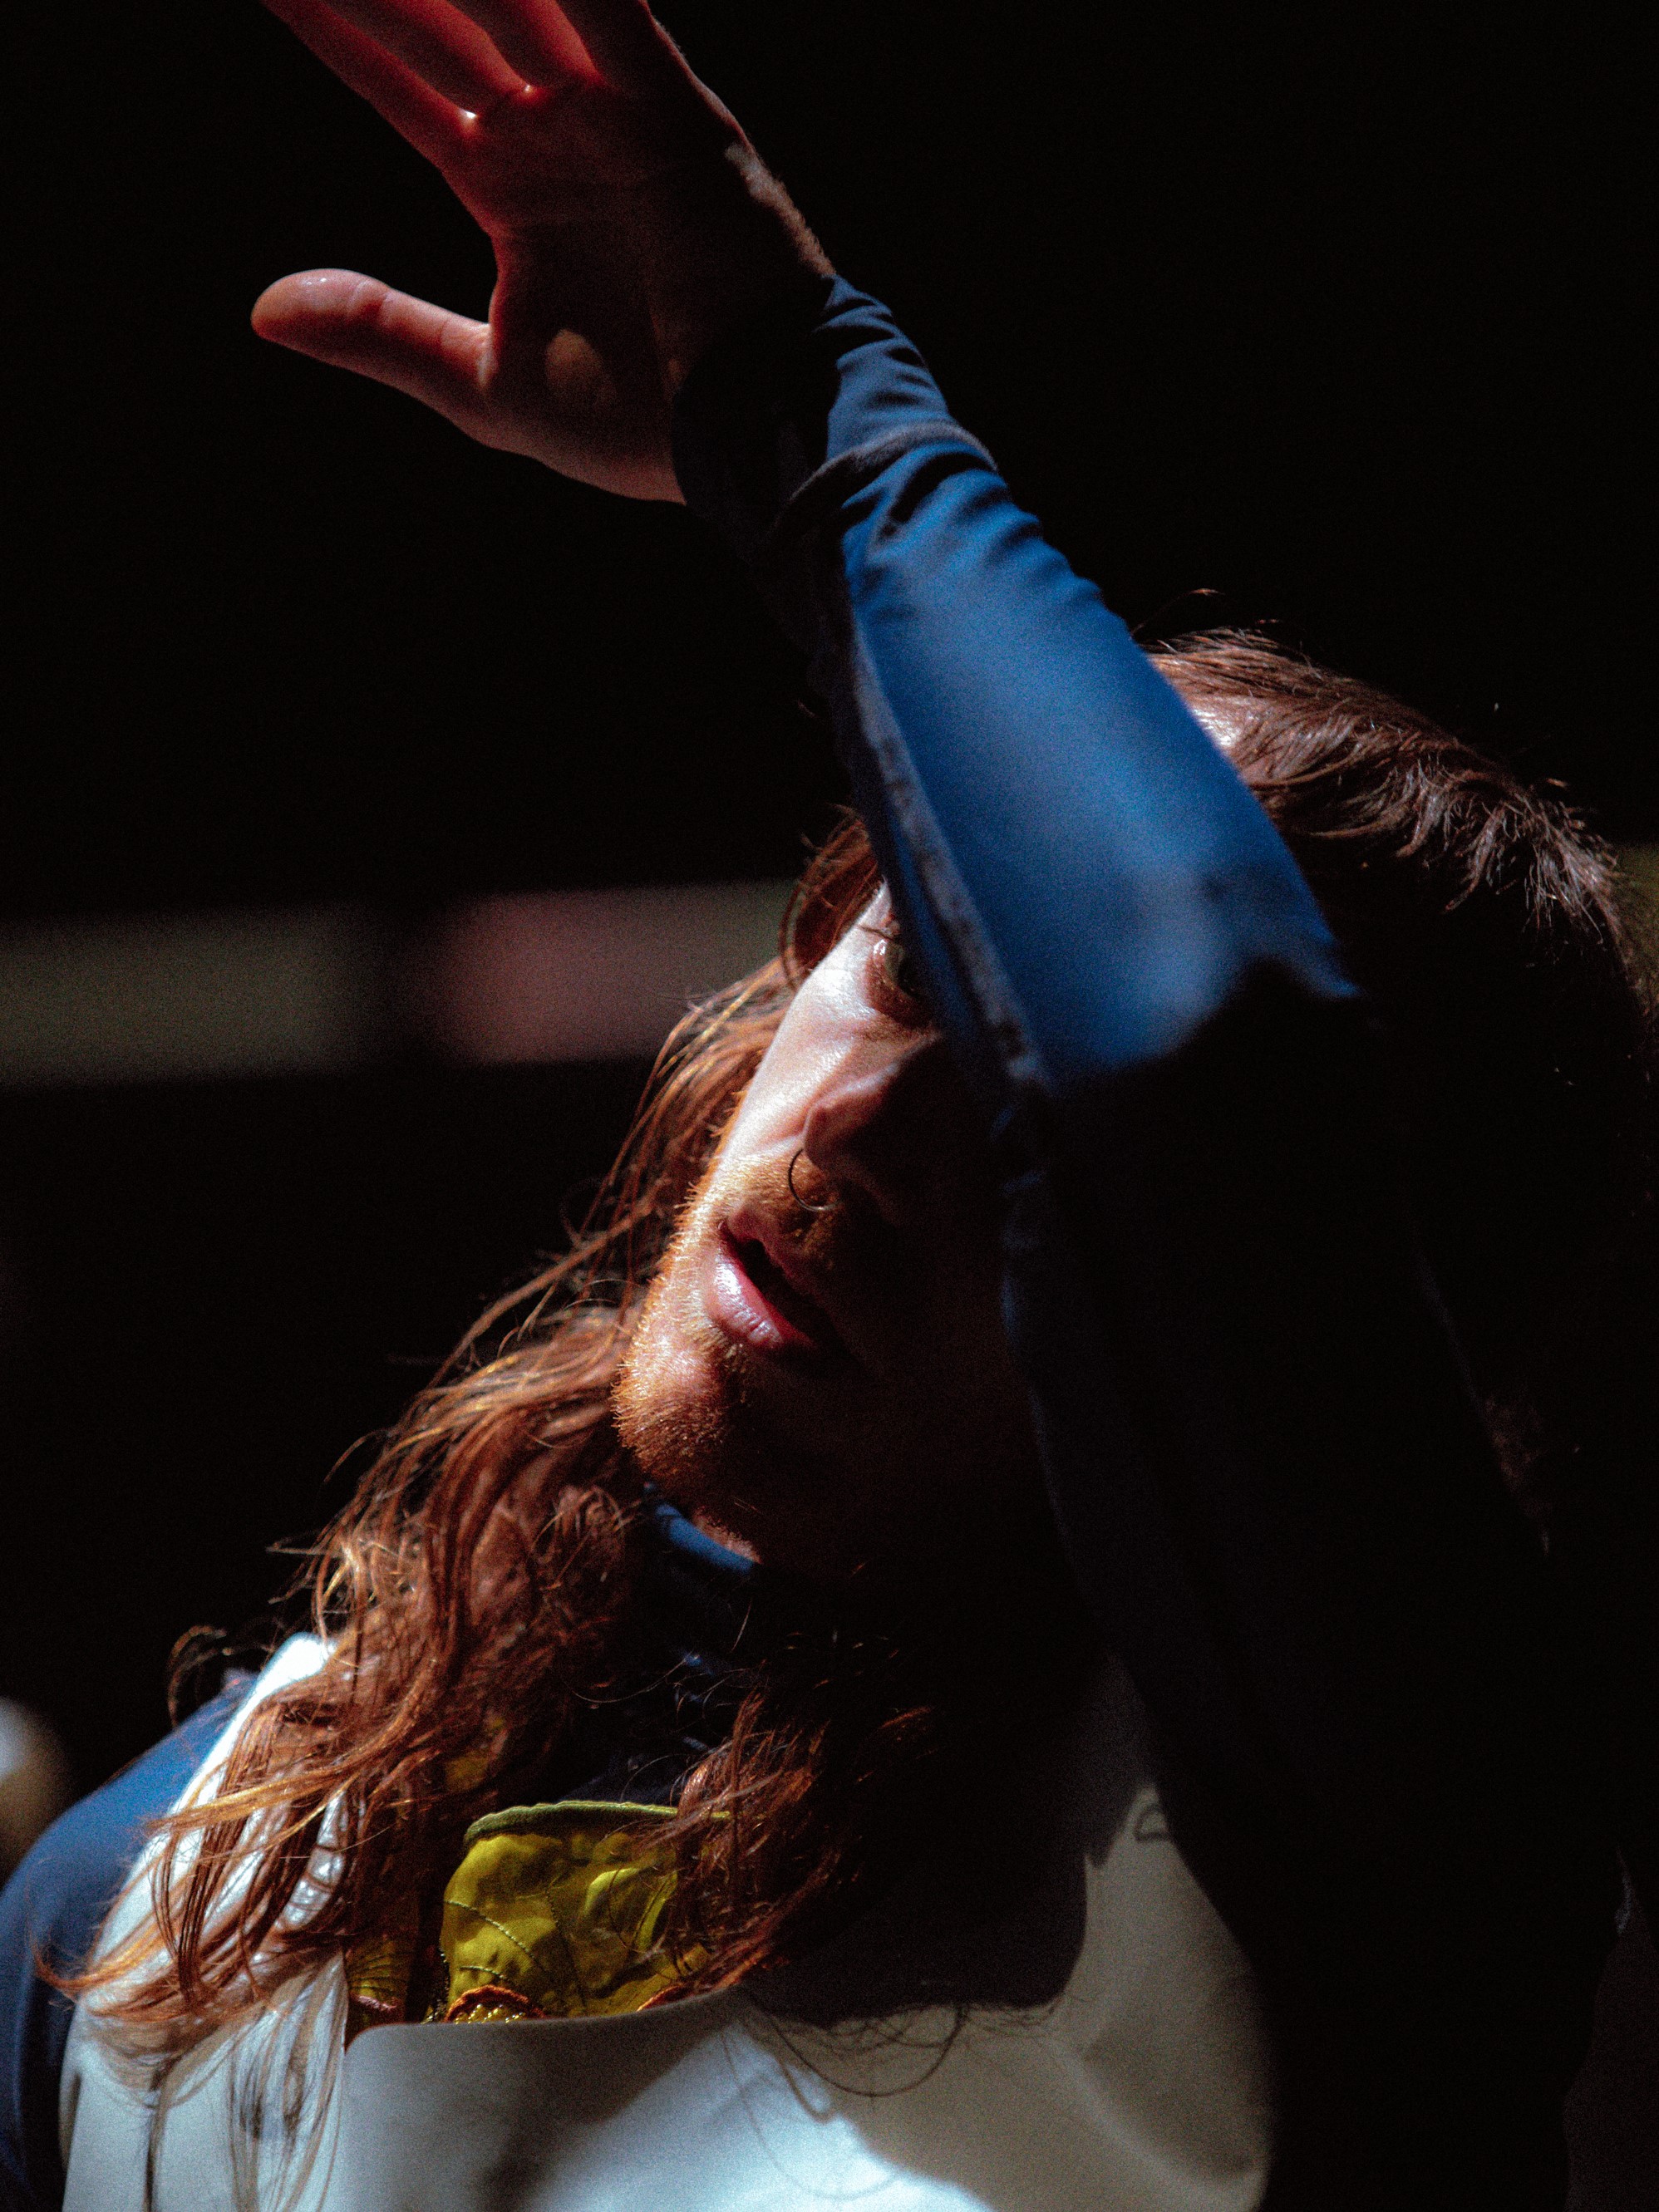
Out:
{"x": 771, "y": 1311}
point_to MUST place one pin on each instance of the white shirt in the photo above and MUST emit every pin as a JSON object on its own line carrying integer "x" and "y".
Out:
{"x": 1144, "y": 2087}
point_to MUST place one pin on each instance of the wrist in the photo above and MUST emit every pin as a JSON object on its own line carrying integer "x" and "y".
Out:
{"x": 734, "y": 247}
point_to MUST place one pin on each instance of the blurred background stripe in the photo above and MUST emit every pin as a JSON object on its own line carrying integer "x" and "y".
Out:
{"x": 561, "y": 976}
{"x": 536, "y": 979}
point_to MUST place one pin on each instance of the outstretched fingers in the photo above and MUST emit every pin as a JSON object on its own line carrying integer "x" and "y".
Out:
{"x": 532, "y": 37}
{"x": 618, "y": 39}
{"x": 356, "y": 322}
{"x": 629, "y": 46}
{"x": 433, "y": 125}
{"x": 442, "y": 45}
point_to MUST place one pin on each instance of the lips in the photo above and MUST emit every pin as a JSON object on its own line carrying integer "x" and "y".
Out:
{"x": 758, "y": 1305}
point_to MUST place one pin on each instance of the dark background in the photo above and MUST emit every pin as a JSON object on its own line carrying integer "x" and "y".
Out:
{"x": 1325, "y": 318}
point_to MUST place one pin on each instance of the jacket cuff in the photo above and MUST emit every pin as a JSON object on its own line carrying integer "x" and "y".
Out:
{"x": 795, "y": 409}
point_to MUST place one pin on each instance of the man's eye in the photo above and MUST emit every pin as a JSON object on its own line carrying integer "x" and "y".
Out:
{"x": 900, "y": 970}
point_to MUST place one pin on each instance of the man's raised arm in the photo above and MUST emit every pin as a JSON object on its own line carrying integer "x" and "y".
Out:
{"x": 1263, "y": 1453}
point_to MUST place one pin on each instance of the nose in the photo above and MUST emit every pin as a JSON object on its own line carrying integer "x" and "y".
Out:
{"x": 901, "y": 1133}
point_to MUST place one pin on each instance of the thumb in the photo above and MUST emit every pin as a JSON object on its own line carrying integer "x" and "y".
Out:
{"x": 358, "y": 322}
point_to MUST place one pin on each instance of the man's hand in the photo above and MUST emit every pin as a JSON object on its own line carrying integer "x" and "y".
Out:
{"x": 632, "y": 223}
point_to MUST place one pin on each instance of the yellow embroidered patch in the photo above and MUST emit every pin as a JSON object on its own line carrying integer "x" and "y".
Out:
{"x": 555, "y": 1910}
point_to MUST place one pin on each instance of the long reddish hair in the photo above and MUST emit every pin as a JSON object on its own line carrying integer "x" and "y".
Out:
{"x": 479, "y": 1596}
{"x": 476, "y": 1598}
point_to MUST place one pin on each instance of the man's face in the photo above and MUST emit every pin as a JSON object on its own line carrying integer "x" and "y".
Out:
{"x": 831, "y": 1387}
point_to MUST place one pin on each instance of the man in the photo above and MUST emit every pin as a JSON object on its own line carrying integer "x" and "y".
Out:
{"x": 1000, "y": 1402}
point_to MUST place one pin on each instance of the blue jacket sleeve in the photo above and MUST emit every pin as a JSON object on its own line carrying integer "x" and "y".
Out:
{"x": 51, "y": 1911}
{"x": 1264, "y": 1457}
{"x": 980, "y": 686}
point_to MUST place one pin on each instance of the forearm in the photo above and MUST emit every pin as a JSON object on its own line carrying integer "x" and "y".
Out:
{"x": 1087, "y": 879}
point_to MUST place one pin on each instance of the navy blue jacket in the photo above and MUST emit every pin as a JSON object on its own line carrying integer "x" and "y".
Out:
{"x": 51, "y": 1911}
{"x": 1264, "y": 1453}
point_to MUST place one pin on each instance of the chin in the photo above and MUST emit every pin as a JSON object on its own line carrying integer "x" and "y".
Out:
{"x": 675, "y": 1401}
{"x": 683, "y": 1416}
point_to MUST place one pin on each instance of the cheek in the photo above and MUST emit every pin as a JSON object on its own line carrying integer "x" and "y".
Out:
{"x": 674, "y": 1338}
{"x": 669, "y": 1400}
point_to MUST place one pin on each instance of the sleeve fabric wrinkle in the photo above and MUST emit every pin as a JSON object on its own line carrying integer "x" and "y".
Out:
{"x": 1136, "y": 853}
{"x": 1265, "y": 1459}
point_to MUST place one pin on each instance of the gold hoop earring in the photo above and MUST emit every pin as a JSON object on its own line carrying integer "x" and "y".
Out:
{"x": 805, "y": 1205}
